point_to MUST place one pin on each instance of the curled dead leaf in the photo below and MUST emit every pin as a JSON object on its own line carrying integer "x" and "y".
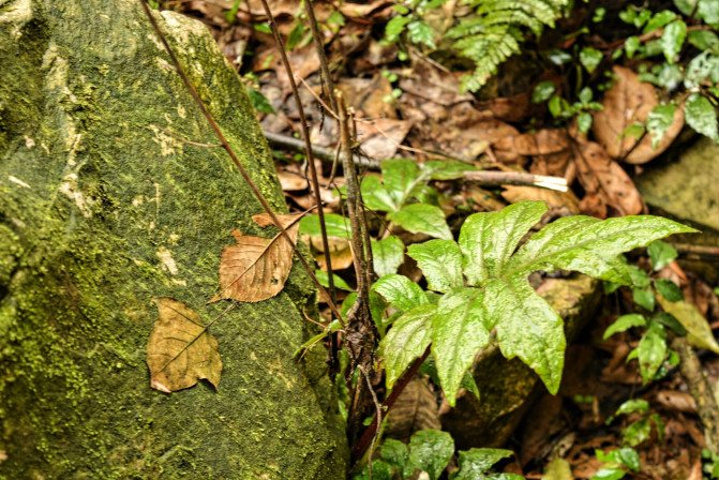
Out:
{"x": 257, "y": 268}
{"x": 627, "y": 102}
{"x": 181, "y": 351}
{"x": 560, "y": 201}
{"x": 605, "y": 180}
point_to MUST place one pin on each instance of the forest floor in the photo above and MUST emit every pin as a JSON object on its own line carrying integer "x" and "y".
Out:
{"x": 414, "y": 109}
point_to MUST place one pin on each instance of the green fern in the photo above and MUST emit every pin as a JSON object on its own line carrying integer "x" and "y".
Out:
{"x": 494, "y": 31}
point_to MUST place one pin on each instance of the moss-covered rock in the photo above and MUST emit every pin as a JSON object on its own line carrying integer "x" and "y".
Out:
{"x": 112, "y": 194}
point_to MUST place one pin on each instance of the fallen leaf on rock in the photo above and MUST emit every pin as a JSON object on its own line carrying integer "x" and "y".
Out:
{"x": 181, "y": 351}
{"x": 626, "y": 103}
{"x": 699, "y": 333}
{"x": 603, "y": 177}
{"x": 256, "y": 268}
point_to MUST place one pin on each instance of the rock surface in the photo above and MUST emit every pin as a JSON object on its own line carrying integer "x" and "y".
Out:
{"x": 109, "y": 197}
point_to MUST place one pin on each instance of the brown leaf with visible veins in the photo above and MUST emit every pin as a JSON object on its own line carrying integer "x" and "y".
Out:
{"x": 604, "y": 178}
{"x": 257, "y": 268}
{"x": 629, "y": 101}
{"x": 180, "y": 350}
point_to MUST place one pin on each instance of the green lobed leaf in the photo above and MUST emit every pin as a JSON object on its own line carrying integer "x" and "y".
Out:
{"x": 590, "y": 246}
{"x": 460, "y": 328}
{"x": 658, "y": 122}
{"x": 543, "y": 91}
{"x": 429, "y": 451}
{"x": 440, "y": 262}
{"x": 394, "y": 452}
{"x": 422, "y": 218}
{"x": 668, "y": 289}
{"x": 420, "y": 33}
{"x": 395, "y": 27}
{"x": 624, "y": 323}
{"x": 699, "y": 333}
{"x": 651, "y": 351}
{"x": 673, "y": 37}
{"x": 400, "y": 176}
{"x": 400, "y": 292}
{"x": 590, "y": 58}
{"x": 475, "y": 462}
{"x": 381, "y": 470}
{"x": 407, "y": 340}
{"x": 375, "y": 196}
{"x": 701, "y": 115}
{"x": 488, "y": 240}
{"x": 659, "y": 20}
{"x": 644, "y": 297}
{"x": 387, "y": 255}
{"x": 661, "y": 254}
{"x": 527, "y": 327}
{"x": 336, "y": 225}
{"x": 636, "y": 432}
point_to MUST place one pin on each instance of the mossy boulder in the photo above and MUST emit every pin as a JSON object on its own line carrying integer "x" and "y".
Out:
{"x": 113, "y": 193}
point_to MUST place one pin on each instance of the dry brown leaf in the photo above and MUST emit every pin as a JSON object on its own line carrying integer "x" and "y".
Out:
{"x": 603, "y": 177}
{"x": 256, "y": 268}
{"x": 629, "y": 101}
{"x": 675, "y": 400}
{"x": 554, "y": 200}
{"x": 181, "y": 351}
{"x": 415, "y": 409}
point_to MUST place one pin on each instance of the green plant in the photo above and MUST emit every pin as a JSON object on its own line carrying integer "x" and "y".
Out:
{"x": 640, "y": 429}
{"x": 617, "y": 463}
{"x": 488, "y": 36}
{"x": 710, "y": 468}
{"x": 479, "y": 291}
{"x": 680, "y": 317}
{"x": 430, "y": 452}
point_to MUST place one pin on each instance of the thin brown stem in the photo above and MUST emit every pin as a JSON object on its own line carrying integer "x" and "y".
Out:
{"x": 327, "y": 87}
{"x": 308, "y": 146}
{"x": 235, "y": 159}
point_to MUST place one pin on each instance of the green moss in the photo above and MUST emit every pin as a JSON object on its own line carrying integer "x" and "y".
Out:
{"x": 111, "y": 195}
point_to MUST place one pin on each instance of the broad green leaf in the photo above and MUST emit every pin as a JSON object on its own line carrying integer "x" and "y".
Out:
{"x": 590, "y": 58}
{"x": 429, "y": 451}
{"x": 699, "y": 333}
{"x": 407, "y": 340}
{"x": 670, "y": 322}
{"x": 387, "y": 255}
{"x": 701, "y": 115}
{"x": 661, "y": 254}
{"x": 339, "y": 282}
{"x": 660, "y": 119}
{"x": 709, "y": 12}
{"x": 400, "y": 292}
{"x": 584, "y": 244}
{"x": 669, "y": 290}
{"x": 375, "y": 196}
{"x": 609, "y": 473}
{"x": 446, "y": 169}
{"x": 336, "y": 225}
{"x": 651, "y": 351}
{"x": 400, "y": 176}
{"x": 624, "y": 323}
{"x": 584, "y": 122}
{"x": 475, "y": 462}
{"x": 659, "y": 20}
{"x": 687, "y": 7}
{"x": 543, "y": 91}
{"x": 488, "y": 240}
{"x": 631, "y": 45}
{"x": 381, "y": 470}
{"x": 440, "y": 262}
{"x": 527, "y": 327}
{"x": 673, "y": 39}
{"x": 701, "y": 68}
{"x": 644, "y": 297}
{"x": 460, "y": 328}
{"x": 633, "y": 405}
{"x": 703, "y": 39}
{"x": 394, "y": 452}
{"x": 636, "y": 432}
{"x": 624, "y": 456}
{"x": 422, "y": 218}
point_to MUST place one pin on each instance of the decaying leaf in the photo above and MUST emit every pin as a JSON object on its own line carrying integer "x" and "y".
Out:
{"x": 180, "y": 350}
{"x": 415, "y": 409}
{"x": 699, "y": 333}
{"x": 603, "y": 178}
{"x": 629, "y": 102}
{"x": 561, "y": 201}
{"x": 256, "y": 268}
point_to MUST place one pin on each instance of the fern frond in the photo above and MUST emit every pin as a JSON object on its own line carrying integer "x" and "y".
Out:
{"x": 493, "y": 32}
